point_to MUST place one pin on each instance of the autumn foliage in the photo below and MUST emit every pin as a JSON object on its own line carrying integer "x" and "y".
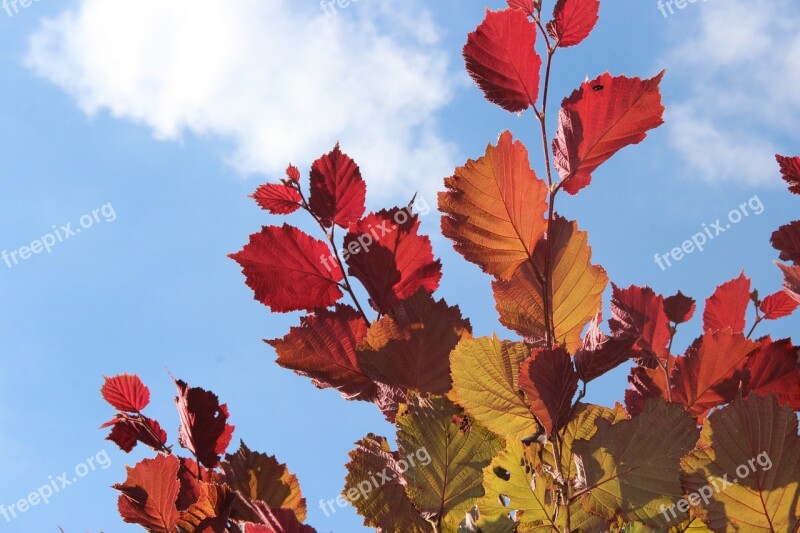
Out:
{"x": 513, "y": 446}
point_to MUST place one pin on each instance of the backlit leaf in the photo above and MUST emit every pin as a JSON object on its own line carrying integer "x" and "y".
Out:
{"x": 632, "y": 467}
{"x": 711, "y": 371}
{"x": 600, "y": 353}
{"x": 324, "y": 347}
{"x": 749, "y": 452}
{"x": 601, "y": 118}
{"x": 383, "y": 503}
{"x": 486, "y": 384}
{"x": 526, "y": 6}
{"x": 679, "y": 308}
{"x": 791, "y": 283}
{"x": 778, "y": 305}
{"x": 550, "y": 382}
{"x": 386, "y": 253}
{"x": 277, "y": 199}
{"x": 447, "y": 488}
{"x": 410, "y": 347}
{"x": 577, "y": 288}
{"x": 337, "y": 190}
{"x": 286, "y": 271}
{"x": 128, "y": 430}
{"x": 495, "y": 208}
{"x": 787, "y": 241}
{"x": 573, "y": 21}
{"x": 728, "y": 305}
{"x": 639, "y": 313}
{"x": 149, "y": 494}
{"x": 210, "y": 512}
{"x": 126, "y": 393}
{"x": 517, "y": 487}
{"x": 204, "y": 429}
{"x": 258, "y": 476}
{"x": 501, "y": 57}
{"x": 790, "y": 169}
{"x": 775, "y": 369}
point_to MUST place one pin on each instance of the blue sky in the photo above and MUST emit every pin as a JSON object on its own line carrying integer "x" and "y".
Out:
{"x": 174, "y": 114}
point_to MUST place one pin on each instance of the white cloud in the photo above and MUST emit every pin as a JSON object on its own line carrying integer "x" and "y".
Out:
{"x": 740, "y": 64}
{"x": 283, "y": 81}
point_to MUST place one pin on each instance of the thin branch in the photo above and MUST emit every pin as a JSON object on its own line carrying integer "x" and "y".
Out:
{"x": 329, "y": 235}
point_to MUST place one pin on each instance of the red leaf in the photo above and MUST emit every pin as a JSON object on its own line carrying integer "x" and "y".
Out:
{"x": 549, "y": 381}
{"x": 289, "y": 270}
{"x": 601, "y": 118}
{"x": 526, "y": 6}
{"x": 410, "y": 347}
{"x": 573, "y": 21}
{"x": 790, "y": 169}
{"x": 149, "y": 494}
{"x": 392, "y": 261}
{"x": 645, "y": 383}
{"x": 775, "y": 369}
{"x": 337, "y": 190}
{"x": 126, "y": 393}
{"x": 728, "y": 305}
{"x": 601, "y": 353}
{"x": 277, "y": 521}
{"x": 501, "y": 57}
{"x": 639, "y": 313}
{"x": 277, "y": 199}
{"x": 292, "y": 173}
{"x": 787, "y": 241}
{"x": 324, "y": 347}
{"x": 679, "y": 308}
{"x": 791, "y": 283}
{"x": 778, "y": 305}
{"x": 209, "y": 514}
{"x": 191, "y": 477}
{"x": 204, "y": 429}
{"x": 127, "y": 431}
{"x": 710, "y": 373}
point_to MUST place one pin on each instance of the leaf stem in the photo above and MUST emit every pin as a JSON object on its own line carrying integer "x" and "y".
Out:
{"x": 542, "y": 116}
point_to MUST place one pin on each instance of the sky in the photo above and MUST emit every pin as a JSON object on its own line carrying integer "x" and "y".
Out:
{"x": 146, "y": 125}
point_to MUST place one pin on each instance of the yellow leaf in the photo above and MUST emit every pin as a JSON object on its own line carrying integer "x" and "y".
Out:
{"x": 486, "y": 384}
{"x": 577, "y": 288}
{"x": 517, "y": 487}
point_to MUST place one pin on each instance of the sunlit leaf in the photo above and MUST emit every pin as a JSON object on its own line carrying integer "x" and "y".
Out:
{"x": 448, "y": 487}
{"x": 486, "y": 384}
{"x": 748, "y": 458}
{"x": 495, "y": 208}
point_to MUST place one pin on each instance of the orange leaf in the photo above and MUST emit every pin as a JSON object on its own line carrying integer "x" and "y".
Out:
{"x": 494, "y": 208}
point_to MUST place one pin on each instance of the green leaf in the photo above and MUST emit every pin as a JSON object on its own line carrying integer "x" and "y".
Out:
{"x": 750, "y": 451}
{"x": 445, "y": 489}
{"x": 632, "y": 467}
{"x": 486, "y": 384}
